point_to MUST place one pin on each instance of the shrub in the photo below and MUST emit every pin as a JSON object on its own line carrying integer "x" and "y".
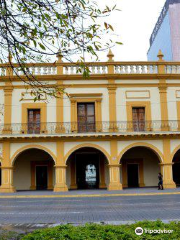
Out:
{"x": 106, "y": 232}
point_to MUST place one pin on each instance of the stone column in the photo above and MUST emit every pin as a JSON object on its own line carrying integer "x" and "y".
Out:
{"x": 7, "y": 180}
{"x": 114, "y": 177}
{"x": 6, "y": 170}
{"x": 60, "y": 172}
{"x": 166, "y": 171}
{"x": 166, "y": 166}
{"x": 60, "y": 169}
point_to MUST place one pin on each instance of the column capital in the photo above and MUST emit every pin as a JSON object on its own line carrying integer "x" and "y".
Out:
{"x": 60, "y": 166}
{"x": 6, "y": 167}
{"x": 165, "y": 164}
{"x": 112, "y": 88}
{"x": 114, "y": 165}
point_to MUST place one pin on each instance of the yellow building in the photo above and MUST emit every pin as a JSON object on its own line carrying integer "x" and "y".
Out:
{"x": 117, "y": 129}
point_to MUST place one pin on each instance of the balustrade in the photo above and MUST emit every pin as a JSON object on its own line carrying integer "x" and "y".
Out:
{"x": 122, "y": 127}
{"x": 136, "y": 69}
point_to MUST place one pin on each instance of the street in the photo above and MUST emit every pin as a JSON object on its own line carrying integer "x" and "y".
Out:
{"x": 109, "y": 209}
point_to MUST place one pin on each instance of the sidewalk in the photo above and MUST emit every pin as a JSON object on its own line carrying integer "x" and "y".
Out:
{"x": 90, "y": 193}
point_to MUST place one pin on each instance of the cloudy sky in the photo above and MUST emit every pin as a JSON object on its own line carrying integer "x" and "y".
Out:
{"x": 134, "y": 25}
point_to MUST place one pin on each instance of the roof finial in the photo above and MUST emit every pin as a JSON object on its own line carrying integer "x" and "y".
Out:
{"x": 10, "y": 58}
{"x": 160, "y": 56}
{"x": 110, "y": 56}
{"x": 59, "y": 56}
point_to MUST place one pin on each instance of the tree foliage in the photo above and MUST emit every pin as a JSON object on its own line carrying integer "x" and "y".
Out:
{"x": 36, "y": 30}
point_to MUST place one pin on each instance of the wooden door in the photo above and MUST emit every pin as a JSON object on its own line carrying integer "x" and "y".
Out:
{"x": 86, "y": 117}
{"x": 138, "y": 115}
{"x": 33, "y": 120}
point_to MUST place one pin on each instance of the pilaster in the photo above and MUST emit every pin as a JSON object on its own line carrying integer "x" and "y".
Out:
{"x": 166, "y": 166}
{"x": 114, "y": 168}
{"x": 6, "y": 170}
{"x": 60, "y": 169}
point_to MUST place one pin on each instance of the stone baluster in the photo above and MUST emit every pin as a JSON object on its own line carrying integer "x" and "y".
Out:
{"x": 93, "y": 69}
{"x": 132, "y": 69}
{"x": 126, "y": 69}
{"x": 137, "y": 69}
{"x": 122, "y": 70}
{"x": 143, "y": 69}
{"x": 71, "y": 69}
{"x": 45, "y": 70}
{"x": 174, "y": 69}
{"x": 178, "y": 69}
{"x": 98, "y": 70}
{"x": 103, "y": 69}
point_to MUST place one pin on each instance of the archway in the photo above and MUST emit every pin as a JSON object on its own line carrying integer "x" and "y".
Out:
{"x": 87, "y": 168}
{"x": 33, "y": 170}
{"x": 139, "y": 167}
{"x": 176, "y": 168}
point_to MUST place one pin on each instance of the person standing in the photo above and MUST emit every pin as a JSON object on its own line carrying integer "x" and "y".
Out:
{"x": 160, "y": 184}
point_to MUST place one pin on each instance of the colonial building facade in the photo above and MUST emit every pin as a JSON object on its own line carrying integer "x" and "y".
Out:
{"x": 119, "y": 128}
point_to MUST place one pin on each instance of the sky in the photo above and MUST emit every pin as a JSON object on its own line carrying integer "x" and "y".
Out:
{"x": 134, "y": 25}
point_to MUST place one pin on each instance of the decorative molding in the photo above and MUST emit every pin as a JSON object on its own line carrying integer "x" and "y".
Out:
{"x": 145, "y": 104}
{"x": 27, "y": 96}
{"x": 98, "y": 108}
{"x": 43, "y": 112}
{"x": 85, "y": 95}
{"x": 177, "y": 93}
{"x": 138, "y": 94}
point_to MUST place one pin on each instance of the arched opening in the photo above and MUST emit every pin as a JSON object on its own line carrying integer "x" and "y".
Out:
{"x": 33, "y": 170}
{"x": 87, "y": 168}
{"x": 139, "y": 168}
{"x": 176, "y": 168}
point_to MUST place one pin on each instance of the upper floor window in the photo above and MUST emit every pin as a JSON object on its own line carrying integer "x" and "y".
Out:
{"x": 86, "y": 117}
{"x": 34, "y": 120}
{"x": 138, "y": 116}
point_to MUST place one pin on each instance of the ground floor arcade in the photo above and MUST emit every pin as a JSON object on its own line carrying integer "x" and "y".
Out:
{"x": 87, "y": 166}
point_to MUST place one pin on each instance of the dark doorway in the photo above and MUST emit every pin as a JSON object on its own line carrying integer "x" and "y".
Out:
{"x": 41, "y": 177}
{"x": 133, "y": 175}
{"x": 176, "y": 172}
{"x": 87, "y": 170}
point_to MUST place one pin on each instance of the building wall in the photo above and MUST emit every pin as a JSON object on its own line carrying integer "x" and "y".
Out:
{"x": 162, "y": 41}
{"x": 174, "y": 12}
{"x": 1, "y": 107}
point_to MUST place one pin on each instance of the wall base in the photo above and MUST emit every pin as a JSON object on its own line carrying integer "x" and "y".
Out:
{"x": 167, "y": 185}
{"x": 7, "y": 189}
{"x": 102, "y": 186}
{"x": 60, "y": 188}
{"x": 115, "y": 186}
{"x": 72, "y": 187}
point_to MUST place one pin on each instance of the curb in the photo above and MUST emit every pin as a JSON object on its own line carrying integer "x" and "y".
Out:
{"x": 88, "y": 195}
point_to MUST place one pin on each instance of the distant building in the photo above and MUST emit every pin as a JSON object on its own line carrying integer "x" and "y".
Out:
{"x": 166, "y": 34}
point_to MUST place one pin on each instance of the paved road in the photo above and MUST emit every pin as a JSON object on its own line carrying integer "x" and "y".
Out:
{"x": 90, "y": 209}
